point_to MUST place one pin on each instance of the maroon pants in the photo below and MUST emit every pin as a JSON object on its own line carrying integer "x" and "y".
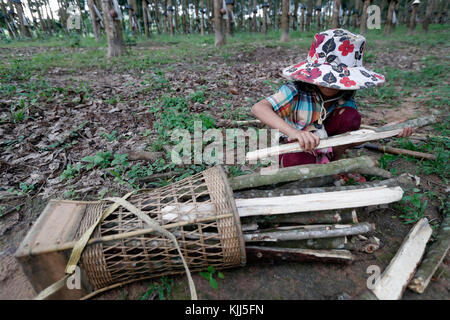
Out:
{"x": 341, "y": 120}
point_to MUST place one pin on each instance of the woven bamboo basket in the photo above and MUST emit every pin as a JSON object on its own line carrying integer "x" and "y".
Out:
{"x": 205, "y": 238}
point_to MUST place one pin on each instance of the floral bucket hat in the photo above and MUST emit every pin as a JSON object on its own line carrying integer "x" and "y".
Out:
{"x": 335, "y": 61}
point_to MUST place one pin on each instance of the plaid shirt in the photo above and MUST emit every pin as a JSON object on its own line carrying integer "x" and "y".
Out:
{"x": 300, "y": 108}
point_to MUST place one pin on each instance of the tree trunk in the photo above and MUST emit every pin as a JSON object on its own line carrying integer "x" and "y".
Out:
{"x": 428, "y": 14}
{"x": 176, "y": 15}
{"x": 318, "y": 13}
{"x": 388, "y": 25}
{"x": 295, "y": 16}
{"x": 363, "y": 22}
{"x": 157, "y": 16}
{"x": 25, "y": 31}
{"x": 265, "y": 20}
{"x": 412, "y": 21}
{"x": 302, "y": 20}
{"x": 309, "y": 15}
{"x": 285, "y": 21}
{"x": 9, "y": 21}
{"x": 220, "y": 39}
{"x": 94, "y": 20}
{"x": 230, "y": 22}
{"x": 202, "y": 19}
{"x": 336, "y": 9}
{"x": 170, "y": 17}
{"x": 147, "y": 21}
{"x": 113, "y": 28}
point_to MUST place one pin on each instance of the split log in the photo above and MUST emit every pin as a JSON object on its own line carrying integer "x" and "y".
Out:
{"x": 351, "y": 137}
{"x": 300, "y": 172}
{"x": 391, "y": 150}
{"x": 318, "y": 201}
{"x": 433, "y": 258}
{"x": 310, "y": 233}
{"x": 306, "y": 218}
{"x": 395, "y": 278}
{"x": 289, "y": 204}
{"x": 297, "y": 255}
{"x": 363, "y": 135}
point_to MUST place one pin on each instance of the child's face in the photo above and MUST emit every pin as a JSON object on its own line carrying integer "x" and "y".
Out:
{"x": 328, "y": 92}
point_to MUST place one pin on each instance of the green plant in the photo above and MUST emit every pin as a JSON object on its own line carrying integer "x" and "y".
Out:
{"x": 164, "y": 285}
{"x": 109, "y": 136}
{"x": 209, "y": 275}
{"x": 412, "y": 207}
{"x": 101, "y": 159}
{"x": 25, "y": 187}
{"x": 71, "y": 172}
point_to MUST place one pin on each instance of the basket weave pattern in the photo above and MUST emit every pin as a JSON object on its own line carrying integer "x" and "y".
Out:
{"x": 217, "y": 242}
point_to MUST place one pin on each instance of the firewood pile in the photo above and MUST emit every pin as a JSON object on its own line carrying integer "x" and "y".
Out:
{"x": 210, "y": 219}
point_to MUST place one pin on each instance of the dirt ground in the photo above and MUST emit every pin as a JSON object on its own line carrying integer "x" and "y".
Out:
{"x": 277, "y": 280}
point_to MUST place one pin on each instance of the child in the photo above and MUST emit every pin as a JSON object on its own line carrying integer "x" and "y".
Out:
{"x": 319, "y": 102}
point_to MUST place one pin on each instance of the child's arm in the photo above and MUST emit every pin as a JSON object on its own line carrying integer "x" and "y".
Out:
{"x": 263, "y": 111}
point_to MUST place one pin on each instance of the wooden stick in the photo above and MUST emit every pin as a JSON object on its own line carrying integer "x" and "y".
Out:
{"x": 301, "y": 172}
{"x": 289, "y": 254}
{"x": 375, "y": 171}
{"x": 310, "y": 233}
{"x": 317, "y": 217}
{"x": 433, "y": 258}
{"x": 419, "y": 122}
{"x": 402, "y": 180}
{"x": 363, "y": 135}
{"x": 357, "y": 136}
{"x": 391, "y": 150}
{"x": 395, "y": 278}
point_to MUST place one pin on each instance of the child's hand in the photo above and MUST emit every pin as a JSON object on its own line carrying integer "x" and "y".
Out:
{"x": 406, "y": 132}
{"x": 307, "y": 140}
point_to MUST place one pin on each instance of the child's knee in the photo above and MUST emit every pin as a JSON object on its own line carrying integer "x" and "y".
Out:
{"x": 349, "y": 118}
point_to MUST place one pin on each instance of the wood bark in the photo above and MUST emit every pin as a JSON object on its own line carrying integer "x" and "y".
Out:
{"x": 254, "y": 253}
{"x": 404, "y": 180}
{"x": 428, "y": 13}
{"x": 113, "y": 28}
{"x": 391, "y": 150}
{"x": 345, "y": 216}
{"x": 94, "y": 20}
{"x": 313, "y": 232}
{"x": 335, "y": 21}
{"x": 230, "y": 22}
{"x": 285, "y": 21}
{"x": 388, "y": 24}
{"x": 433, "y": 258}
{"x": 25, "y": 31}
{"x": 412, "y": 20}
{"x": 395, "y": 278}
{"x": 363, "y": 22}
{"x": 147, "y": 19}
{"x": 220, "y": 39}
{"x": 301, "y": 172}
{"x": 170, "y": 18}
{"x": 418, "y": 122}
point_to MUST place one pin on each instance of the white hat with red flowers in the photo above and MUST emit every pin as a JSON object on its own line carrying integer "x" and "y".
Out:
{"x": 335, "y": 61}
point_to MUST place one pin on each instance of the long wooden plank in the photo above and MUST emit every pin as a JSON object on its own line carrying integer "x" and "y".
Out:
{"x": 363, "y": 135}
{"x": 290, "y": 204}
{"x": 400, "y": 270}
